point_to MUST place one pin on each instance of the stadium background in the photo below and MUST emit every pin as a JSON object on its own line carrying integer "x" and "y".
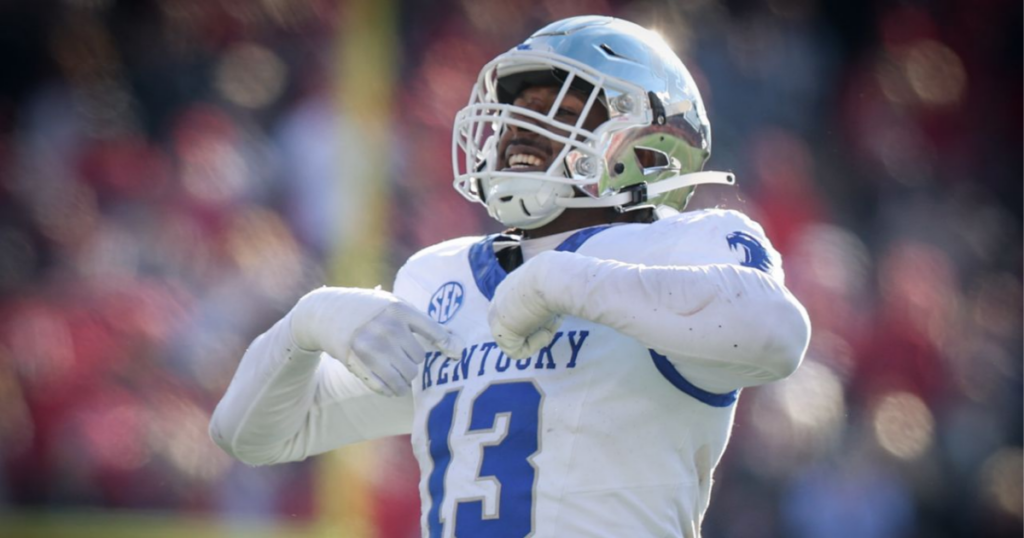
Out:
{"x": 175, "y": 173}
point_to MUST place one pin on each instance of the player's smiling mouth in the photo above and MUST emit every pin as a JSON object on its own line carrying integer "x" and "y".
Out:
{"x": 523, "y": 160}
{"x": 523, "y": 157}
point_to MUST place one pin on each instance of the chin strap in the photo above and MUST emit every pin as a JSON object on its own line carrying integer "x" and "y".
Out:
{"x": 638, "y": 194}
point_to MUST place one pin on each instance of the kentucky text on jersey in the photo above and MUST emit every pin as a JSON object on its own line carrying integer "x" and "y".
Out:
{"x": 487, "y": 359}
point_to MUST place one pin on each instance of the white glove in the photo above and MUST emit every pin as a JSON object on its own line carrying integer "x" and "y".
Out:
{"x": 372, "y": 333}
{"x": 523, "y": 314}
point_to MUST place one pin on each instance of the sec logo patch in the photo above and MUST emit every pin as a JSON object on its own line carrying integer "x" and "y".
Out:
{"x": 446, "y": 302}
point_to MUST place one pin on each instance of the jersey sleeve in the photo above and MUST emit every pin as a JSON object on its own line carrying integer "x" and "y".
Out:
{"x": 711, "y": 299}
{"x": 286, "y": 404}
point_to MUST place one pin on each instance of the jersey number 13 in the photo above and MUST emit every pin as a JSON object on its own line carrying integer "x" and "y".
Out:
{"x": 505, "y": 461}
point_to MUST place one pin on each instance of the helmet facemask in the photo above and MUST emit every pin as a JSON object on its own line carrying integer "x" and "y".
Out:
{"x": 579, "y": 163}
{"x": 655, "y": 140}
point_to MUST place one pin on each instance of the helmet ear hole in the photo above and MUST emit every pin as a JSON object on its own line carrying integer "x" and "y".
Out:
{"x": 651, "y": 158}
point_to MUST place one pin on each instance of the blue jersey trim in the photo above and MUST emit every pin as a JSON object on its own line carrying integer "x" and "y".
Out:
{"x": 488, "y": 273}
{"x": 576, "y": 240}
{"x": 673, "y": 376}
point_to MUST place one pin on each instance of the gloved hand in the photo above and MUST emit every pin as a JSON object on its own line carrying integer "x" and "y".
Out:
{"x": 378, "y": 336}
{"x": 524, "y": 315}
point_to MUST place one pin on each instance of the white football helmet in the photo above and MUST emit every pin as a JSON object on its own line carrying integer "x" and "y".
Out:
{"x": 653, "y": 107}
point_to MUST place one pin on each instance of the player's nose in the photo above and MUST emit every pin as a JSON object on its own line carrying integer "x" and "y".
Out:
{"x": 519, "y": 129}
{"x": 535, "y": 106}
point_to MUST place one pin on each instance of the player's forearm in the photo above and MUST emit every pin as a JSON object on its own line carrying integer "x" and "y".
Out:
{"x": 715, "y": 315}
{"x": 263, "y": 412}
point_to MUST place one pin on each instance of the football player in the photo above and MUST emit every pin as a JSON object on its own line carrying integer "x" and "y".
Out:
{"x": 578, "y": 374}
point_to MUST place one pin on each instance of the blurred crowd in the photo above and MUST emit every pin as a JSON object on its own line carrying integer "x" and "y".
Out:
{"x": 174, "y": 174}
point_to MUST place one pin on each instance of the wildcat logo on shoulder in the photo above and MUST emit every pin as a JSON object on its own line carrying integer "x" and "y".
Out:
{"x": 446, "y": 302}
{"x": 754, "y": 254}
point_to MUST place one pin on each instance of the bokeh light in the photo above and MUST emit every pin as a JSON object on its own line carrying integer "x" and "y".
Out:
{"x": 40, "y": 344}
{"x": 215, "y": 172}
{"x": 997, "y": 304}
{"x": 65, "y": 213}
{"x": 265, "y": 251}
{"x": 178, "y": 431}
{"x": 813, "y": 399}
{"x": 111, "y": 253}
{"x": 796, "y": 420}
{"x": 918, "y": 281}
{"x": 251, "y": 76}
{"x": 833, "y": 258}
{"x": 1001, "y": 481}
{"x": 980, "y": 367}
{"x": 935, "y": 73}
{"x": 903, "y": 425}
{"x": 113, "y": 436}
{"x": 495, "y": 18}
{"x": 212, "y": 167}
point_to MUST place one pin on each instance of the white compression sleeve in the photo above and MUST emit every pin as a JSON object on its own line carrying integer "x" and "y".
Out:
{"x": 723, "y": 326}
{"x": 285, "y": 404}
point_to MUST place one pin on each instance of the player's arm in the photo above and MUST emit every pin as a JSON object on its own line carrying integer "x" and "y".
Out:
{"x": 724, "y": 326}
{"x": 290, "y": 398}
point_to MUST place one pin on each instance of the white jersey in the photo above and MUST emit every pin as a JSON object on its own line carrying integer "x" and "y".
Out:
{"x": 595, "y": 435}
{"x": 613, "y": 429}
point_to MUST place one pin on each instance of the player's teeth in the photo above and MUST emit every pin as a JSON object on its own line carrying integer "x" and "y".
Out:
{"x": 523, "y": 159}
